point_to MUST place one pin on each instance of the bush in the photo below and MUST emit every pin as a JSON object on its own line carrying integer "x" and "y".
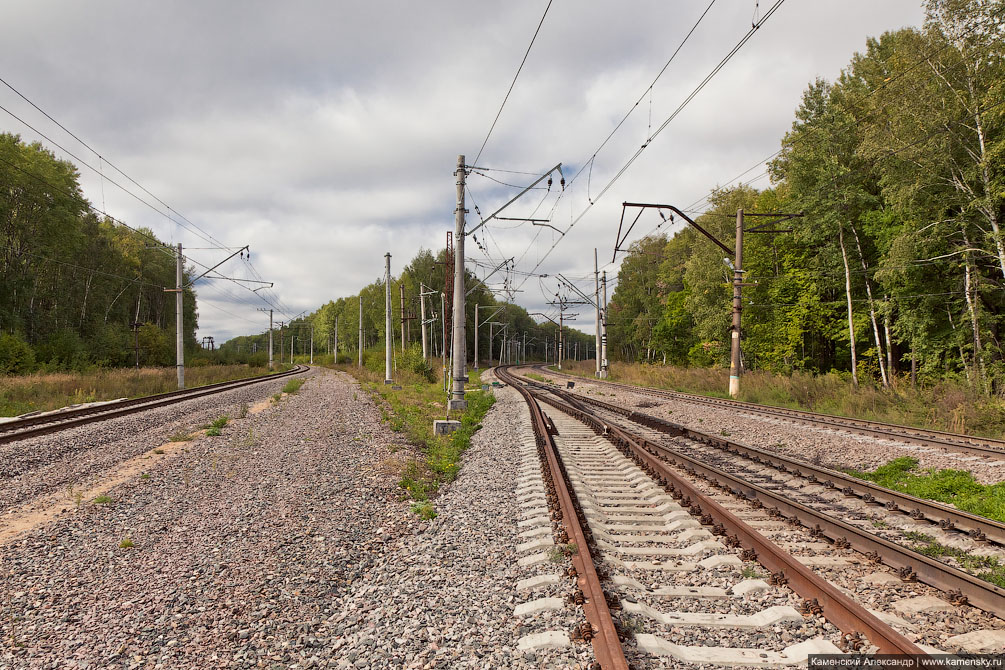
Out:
{"x": 16, "y": 355}
{"x": 64, "y": 351}
{"x": 413, "y": 361}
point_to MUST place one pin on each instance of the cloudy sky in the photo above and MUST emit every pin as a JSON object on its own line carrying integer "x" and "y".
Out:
{"x": 324, "y": 134}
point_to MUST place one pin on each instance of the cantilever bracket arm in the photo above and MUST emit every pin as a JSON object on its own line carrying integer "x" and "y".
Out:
{"x": 216, "y": 266}
{"x": 514, "y": 198}
{"x": 643, "y": 206}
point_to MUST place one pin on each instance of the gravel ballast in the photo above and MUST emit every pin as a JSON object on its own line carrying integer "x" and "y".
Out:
{"x": 286, "y": 542}
{"x": 828, "y": 446}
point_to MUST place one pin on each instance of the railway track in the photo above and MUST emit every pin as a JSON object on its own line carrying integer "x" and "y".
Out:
{"x": 606, "y": 487}
{"x": 51, "y": 422}
{"x": 956, "y": 442}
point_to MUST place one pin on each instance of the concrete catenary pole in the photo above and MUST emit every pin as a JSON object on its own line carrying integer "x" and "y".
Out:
{"x": 596, "y": 299}
{"x": 312, "y": 344}
{"x": 262, "y": 309}
{"x": 734, "y": 350}
{"x": 457, "y": 349}
{"x": 179, "y": 320}
{"x": 490, "y": 342}
{"x": 523, "y": 354}
{"x": 335, "y": 351}
{"x": 476, "y": 335}
{"x": 603, "y": 331}
{"x": 360, "y": 329}
{"x": 561, "y": 334}
{"x": 401, "y": 292}
{"x": 388, "y": 335}
{"x": 443, "y": 340}
{"x": 422, "y": 322}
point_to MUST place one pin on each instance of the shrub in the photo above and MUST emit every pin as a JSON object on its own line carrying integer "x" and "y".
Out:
{"x": 16, "y": 355}
{"x": 413, "y": 361}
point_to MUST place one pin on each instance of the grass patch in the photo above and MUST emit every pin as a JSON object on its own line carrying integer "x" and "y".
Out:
{"x": 411, "y": 411}
{"x": 953, "y": 487}
{"x": 47, "y": 391}
{"x": 145, "y": 476}
{"x": 293, "y": 385}
{"x": 126, "y": 543}
{"x": 158, "y": 451}
{"x": 102, "y": 500}
{"x": 987, "y": 568}
{"x": 943, "y": 405}
{"x": 536, "y": 377}
{"x": 180, "y": 437}
{"x": 424, "y": 509}
{"x": 216, "y": 427}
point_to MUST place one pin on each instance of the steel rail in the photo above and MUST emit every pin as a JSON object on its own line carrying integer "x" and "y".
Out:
{"x": 843, "y": 612}
{"x": 33, "y": 426}
{"x": 946, "y": 517}
{"x": 911, "y": 564}
{"x": 606, "y": 643}
{"x": 989, "y": 447}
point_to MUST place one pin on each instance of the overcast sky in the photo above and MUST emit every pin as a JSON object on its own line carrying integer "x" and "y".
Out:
{"x": 324, "y": 134}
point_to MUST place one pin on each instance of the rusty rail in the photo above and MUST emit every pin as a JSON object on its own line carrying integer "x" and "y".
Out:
{"x": 606, "y": 643}
{"x": 980, "y": 446}
{"x": 850, "y": 617}
{"x": 32, "y": 426}
{"x": 910, "y": 563}
{"x": 979, "y": 528}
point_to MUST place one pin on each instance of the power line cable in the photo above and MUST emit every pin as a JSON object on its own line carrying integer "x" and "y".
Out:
{"x": 105, "y": 160}
{"x": 513, "y": 83}
{"x": 736, "y": 48}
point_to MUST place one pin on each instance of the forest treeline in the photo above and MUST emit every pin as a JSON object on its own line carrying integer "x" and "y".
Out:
{"x": 72, "y": 283}
{"x": 424, "y": 270}
{"x": 898, "y": 261}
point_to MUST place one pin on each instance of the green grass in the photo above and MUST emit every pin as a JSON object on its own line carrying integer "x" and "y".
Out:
{"x": 216, "y": 428}
{"x": 942, "y": 405}
{"x": 535, "y": 377}
{"x": 46, "y": 391}
{"x": 987, "y": 568}
{"x": 180, "y": 437}
{"x": 293, "y": 385}
{"x": 126, "y": 543}
{"x": 411, "y": 411}
{"x": 953, "y": 487}
{"x": 102, "y": 500}
{"x": 424, "y": 509}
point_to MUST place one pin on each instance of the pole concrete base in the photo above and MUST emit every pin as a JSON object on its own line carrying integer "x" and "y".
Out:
{"x": 388, "y": 381}
{"x": 457, "y": 404}
{"x": 734, "y": 386}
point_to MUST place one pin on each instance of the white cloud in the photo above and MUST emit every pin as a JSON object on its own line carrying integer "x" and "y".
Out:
{"x": 324, "y": 134}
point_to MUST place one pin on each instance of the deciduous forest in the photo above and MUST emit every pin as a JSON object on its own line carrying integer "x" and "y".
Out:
{"x": 896, "y": 267}
{"x": 73, "y": 283}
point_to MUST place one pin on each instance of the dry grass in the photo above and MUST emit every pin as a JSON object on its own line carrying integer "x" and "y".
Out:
{"x": 47, "y": 391}
{"x": 943, "y": 406}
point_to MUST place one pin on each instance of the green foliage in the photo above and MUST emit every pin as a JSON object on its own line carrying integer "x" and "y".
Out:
{"x": 412, "y": 410}
{"x": 180, "y": 436}
{"x": 424, "y": 510}
{"x": 897, "y": 167}
{"x": 126, "y": 543}
{"x": 16, "y": 356}
{"x": 954, "y": 487}
{"x": 102, "y": 500}
{"x": 293, "y": 385}
{"x": 73, "y": 282}
{"x": 988, "y": 568}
